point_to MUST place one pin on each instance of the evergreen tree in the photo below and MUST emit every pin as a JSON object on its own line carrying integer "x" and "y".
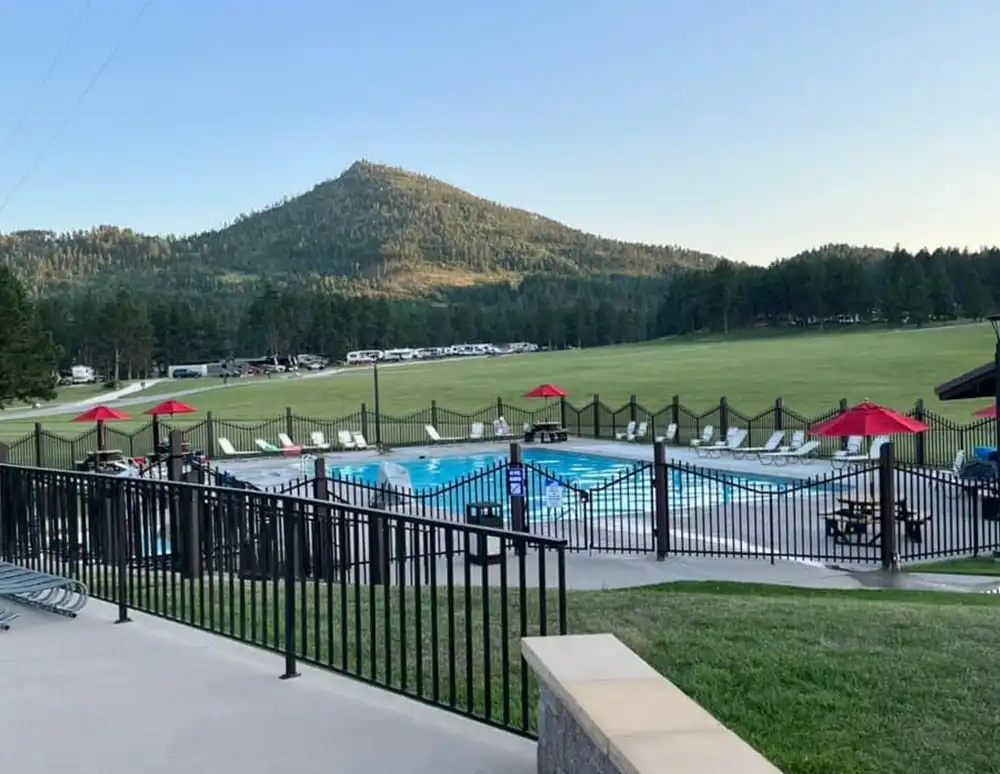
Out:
{"x": 28, "y": 355}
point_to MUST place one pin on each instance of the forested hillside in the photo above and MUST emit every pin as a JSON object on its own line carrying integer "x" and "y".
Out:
{"x": 373, "y": 230}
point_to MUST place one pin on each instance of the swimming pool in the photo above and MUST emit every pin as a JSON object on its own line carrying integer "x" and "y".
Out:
{"x": 560, "y": 484}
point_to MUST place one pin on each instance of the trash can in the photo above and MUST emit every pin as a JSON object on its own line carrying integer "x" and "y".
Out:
{"x": 484, "y": 549}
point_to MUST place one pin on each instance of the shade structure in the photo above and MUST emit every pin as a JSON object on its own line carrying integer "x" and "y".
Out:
{"x": 101, "y": 414}
{"x": 867, "y": 419}
{"x": 546, "y": 391}
{"x": 990, "y": 412}
{"x": 171, "y": 407}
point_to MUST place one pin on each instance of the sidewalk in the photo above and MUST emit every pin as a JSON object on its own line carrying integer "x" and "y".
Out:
{"x": 88, "y": 697}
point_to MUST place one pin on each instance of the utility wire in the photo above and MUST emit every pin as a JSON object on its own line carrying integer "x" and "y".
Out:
{"x": 43, "y": 152}
{"x": 33, "y": 99}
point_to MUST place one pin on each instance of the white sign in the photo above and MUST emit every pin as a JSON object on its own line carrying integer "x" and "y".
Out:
{"x": 554, "y": 495}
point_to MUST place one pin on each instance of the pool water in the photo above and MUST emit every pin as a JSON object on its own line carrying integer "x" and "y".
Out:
{"x": 559, "y": 484}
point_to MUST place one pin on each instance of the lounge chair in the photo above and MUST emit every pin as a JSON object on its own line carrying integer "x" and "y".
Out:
{"x": 771, "y": 445}
{"x": 798, "y": 439}
{"x": 359, "y": 441}
{"x": 229, "y": 450}
{"x": 286, "y": 442}
{"x": 627, "y": 433}
{"x": 500, "y": 428}
{"x": 851, "y": 449}
{"x": 707, "y": 433}
{"x": 267, "y": 448}
{"x": 345, "y": 439}
{"x": 670, "y": 435}
{"x": 317, "y": 441}
{"x": 437, "y": 437}
{"x": 784, "y": 457}
{"x": 705, "y": 448}
{"x": 874, "y": 451}
{"x": 640, "y": 432}
{"x": 734, "y": 440}
{"x": 477, "y": 431}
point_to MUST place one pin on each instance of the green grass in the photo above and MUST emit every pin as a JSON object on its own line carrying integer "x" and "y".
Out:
{"x": 972, "y": 565}
{"x": 822, "y": 682}
{"x": 811, "y": 373}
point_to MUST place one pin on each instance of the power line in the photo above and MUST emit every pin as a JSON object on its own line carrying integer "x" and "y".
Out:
{"x": 43, "y": 152}
{"x": 33, "y": 99}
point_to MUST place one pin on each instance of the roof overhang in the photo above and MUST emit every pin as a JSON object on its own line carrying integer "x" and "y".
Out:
{"x": 978, "y": 383}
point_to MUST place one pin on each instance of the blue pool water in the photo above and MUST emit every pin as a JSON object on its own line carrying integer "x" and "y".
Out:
{"x": 560, "y": 484}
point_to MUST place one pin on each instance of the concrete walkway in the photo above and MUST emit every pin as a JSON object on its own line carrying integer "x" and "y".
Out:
{"x": 85, "y": 695}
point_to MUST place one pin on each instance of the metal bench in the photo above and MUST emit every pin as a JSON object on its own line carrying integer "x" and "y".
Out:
{"x": 42, "y": 590}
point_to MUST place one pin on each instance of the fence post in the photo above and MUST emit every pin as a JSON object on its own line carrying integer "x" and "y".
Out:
{"x": 660, "y": 502}
{"x": 38, "y": 444}
{"x": 515, "y": 488}
{"x": 120, "y": 537}
{"x": 499, "y": 407}
{"x": 289, "y": 513}
{"x": 887, "y": 507}
{"x": 4, "y": 453}
{"x": 210, "y": 435}
{"x": 434, "y": 414}
{"x": 842, "y": 408}
{"x": 323, "y": 539}
{"x": 675, "y": 417}
{"x": 631, "y": 408}
{"x": 596, "y": 405}
{"x": 723, "y": 417}
{"x": 290, "y": 422}
{"x": 562, "y": 414}
{"x": 779, "y": 414}
{"x": 364, "y": 421}
{"x": 919, "y": 449}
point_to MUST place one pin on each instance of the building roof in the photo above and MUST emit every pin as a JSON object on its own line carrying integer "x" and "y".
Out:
{"x": 978, "y": 383}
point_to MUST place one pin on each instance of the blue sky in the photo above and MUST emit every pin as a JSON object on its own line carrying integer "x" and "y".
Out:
{"x": 749, "y": 128}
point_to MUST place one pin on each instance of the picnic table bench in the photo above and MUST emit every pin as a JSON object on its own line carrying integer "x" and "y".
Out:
{"x": 546, "y": 432}
{"x": 850, "y": 521}
{"x": 34, "y": 588}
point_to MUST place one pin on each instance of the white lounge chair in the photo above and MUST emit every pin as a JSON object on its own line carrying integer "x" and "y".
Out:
{"x": 704, "y": 448}
{"x": 477, "y": 431}
{"x": 437, "y": 437}
{"x": 707, "y": 433}
{"x": 734, "y": 440}
{"x": 229, "y": 450}
{"x": 266, "y": 447}
{"x": 359, "y": 441}
{"x": 798, "y": 439}
{"x": 627, "y": 433}
{"x": 286, "y": 442}
{"x": 851, "y": 449}
{"x": 640, "y": 432}
{"x": 670, "y": 435}
{"x": 783, "y": 457}
{"x": 500, "y": 428}
{"x": 874, "y": 451}
{"x": 345, "y": 439}
{"x": 771, "y": 445}
{"x": 317, "y": 441}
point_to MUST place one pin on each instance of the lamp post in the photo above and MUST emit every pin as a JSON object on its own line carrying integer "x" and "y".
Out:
{"x": 994, "y": 320}
{"x": 378, "y": 406}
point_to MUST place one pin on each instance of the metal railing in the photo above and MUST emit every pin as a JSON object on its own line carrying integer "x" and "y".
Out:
{"x": 432, "y": 609}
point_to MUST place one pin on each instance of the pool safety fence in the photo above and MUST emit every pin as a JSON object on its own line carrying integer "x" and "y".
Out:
{"x": 430, "y": 608}
{"x": 935, "y": 448}
{"x": 881, "y": 512}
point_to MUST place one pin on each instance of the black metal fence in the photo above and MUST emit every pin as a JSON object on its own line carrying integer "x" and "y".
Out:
{"x": 672, "y": 507}
{"x": 395, "y": 599}
{"x": 934, "y": 448}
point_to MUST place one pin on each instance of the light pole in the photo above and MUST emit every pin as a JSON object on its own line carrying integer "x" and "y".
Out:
{"x": 378, "y": 406}
{"x": 994, "y": 320}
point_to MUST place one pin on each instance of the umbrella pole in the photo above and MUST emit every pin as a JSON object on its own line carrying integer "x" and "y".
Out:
{"x": 100, "y": 436}
{"x": 156, "y": 432}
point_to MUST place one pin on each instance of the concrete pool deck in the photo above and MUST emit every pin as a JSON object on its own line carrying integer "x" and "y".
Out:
{"x": 85, "y": 695}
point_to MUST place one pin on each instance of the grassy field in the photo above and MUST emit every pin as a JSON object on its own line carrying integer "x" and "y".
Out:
{"x": 822, "y": 682}
{"x": 811, "y": 374}
{"x": 966, "y": 565}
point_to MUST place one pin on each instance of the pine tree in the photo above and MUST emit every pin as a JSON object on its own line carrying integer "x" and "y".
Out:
{"x": 28, "y": 355}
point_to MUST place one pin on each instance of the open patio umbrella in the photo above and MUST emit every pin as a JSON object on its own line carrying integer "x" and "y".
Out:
{"x": 546, "y": 391}
{"x": 990, "y": 412}
{"x": 868, "y": 419}
{"x": 101, "y": 414}
{"x": 167, "y": 408}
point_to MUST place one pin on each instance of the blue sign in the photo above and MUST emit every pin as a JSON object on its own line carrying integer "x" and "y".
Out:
{"x": 515, "y": 481}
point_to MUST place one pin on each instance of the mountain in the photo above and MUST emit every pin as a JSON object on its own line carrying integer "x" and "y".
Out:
{"x": 374, "y": 228}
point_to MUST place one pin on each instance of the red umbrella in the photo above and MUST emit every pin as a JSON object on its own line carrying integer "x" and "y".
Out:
{"x": 990, "y": 412}
{"x": 868, "y": 419}
{"x": 101, "y": 414}
{"x": 546, "y": 391}
{"x": 171, "y": 407}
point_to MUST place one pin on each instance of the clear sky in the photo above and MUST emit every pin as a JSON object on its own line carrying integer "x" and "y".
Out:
{"x": 748, "y": 128}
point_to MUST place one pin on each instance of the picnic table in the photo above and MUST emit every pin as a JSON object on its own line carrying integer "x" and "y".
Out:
{"x": 850, "y": 521}
{"x": 546, "y": 432}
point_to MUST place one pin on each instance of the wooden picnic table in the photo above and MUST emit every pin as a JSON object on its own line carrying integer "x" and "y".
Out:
{"x": 849, "y": 523}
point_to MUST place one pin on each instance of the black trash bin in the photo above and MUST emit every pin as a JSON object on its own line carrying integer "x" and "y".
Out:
{"x": 484, "y": 549}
